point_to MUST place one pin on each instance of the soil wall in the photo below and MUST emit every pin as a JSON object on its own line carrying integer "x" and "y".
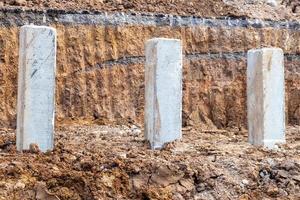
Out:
{"x": 100, "y": 75}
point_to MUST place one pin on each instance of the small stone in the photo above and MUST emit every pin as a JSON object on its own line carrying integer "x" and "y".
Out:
{"x": 20, "y": 2}
{"x": 188, "y": 184}
{"x": 271, "y": 162}
{"x": 288, "y": 165}
{"x": 272, "y": 191}
{"x": 201, "y": 187}
{"x": 245, "y": 182}
{"x": 272, "y": 3}
{"x": 136, "y": 130}
{"x": 123, "y": 155}
{"x": 297, "y": 178}
{"x": 119, "y": 1}
{"x": 244, "y": 197}
{"x": 72, "y": 158}
{"x": 34, "y": 148}
{"x": 178, "y": 196}
{"x": 42, "y": 193}
{"x": 283, "y": 174}
{"x": 19, "y": 186}
{"x": 264, "y": 173}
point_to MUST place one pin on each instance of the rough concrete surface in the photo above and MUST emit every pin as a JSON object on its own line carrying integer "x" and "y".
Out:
{"x": 265, "y": 97}
{"x": 36, "y": 87}
{"x": 163, "y": 91}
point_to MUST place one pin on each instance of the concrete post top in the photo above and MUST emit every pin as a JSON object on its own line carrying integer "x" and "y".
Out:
{"x": 164, "y": 40}
{"x": 266, "y": 49}
{"x": 31, "y": 26}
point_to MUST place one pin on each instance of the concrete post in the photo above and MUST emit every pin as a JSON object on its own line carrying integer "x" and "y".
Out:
{"x": 36, "y": 87}
{"x": 163, "y": 91}
{"x": 265, "y": 92}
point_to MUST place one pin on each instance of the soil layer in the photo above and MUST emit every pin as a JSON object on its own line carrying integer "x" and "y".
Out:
{"x": 284, "y": 9}
{"x": 100, "y": 72}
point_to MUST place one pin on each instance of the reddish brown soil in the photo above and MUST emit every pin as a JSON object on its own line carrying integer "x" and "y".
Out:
{"x": 104, "y": 162}
{"x": 288, "y": 9}
{"x": 214, "y": 89}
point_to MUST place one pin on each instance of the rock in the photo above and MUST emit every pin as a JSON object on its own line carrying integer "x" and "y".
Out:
{"x": 20, "y": 2}
{"x": 140, "y": 181}
{"x": 164, "y": 176}
{"x": 108, "y": 180}
{"x": 244, "y": 197}
{"x": 136, "y": 130}
{"x": 297, "y": 178}
{"x": 283, "y": 174}
{"x": 188, "y": 184}
{"x": 264, "y": 173}
{"x": 272, "y": 191}
{"x": 178, "y": 196}
{"x": 118, "y": 1}
{"x": 201, "y": 187}
{"x": 19, "y": 185}
{"x": 122, "y": 155}
{"x": 271, "y": 162}
{"x": 245, "y": 182}
{"x": 42, "y": 192}
{"x": 297, "y": 9}
{"x": 34, "y": 148}
{"x": 288, "y": 165}
{"x": 273, "y": 3}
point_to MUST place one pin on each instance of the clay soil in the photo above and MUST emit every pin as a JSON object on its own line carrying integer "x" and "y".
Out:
{"x": 114, "y": 162}
{"x": 286, "y": 9}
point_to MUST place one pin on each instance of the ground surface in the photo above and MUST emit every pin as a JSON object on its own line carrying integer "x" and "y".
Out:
{"x": 283, "y": 9}
{"x": 104, "y": 162}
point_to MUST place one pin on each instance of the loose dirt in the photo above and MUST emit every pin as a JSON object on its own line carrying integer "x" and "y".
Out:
{"x": 286, "y": 9}
{"x": 114, "y": 162}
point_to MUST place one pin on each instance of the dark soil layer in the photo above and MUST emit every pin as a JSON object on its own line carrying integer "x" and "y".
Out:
{"x": 104, "y": 162}
{"x": 286, "y": 9}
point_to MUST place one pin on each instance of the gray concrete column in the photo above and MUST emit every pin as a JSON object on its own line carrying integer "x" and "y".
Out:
{"x": 163, "y": 91}
{"x": 265, "y": 93}
{"x": 36, "y": 87}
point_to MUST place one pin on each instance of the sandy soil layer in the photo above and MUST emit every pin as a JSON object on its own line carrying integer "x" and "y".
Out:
{"x": 104, "y": 162}
{"x": 272, "y": 9}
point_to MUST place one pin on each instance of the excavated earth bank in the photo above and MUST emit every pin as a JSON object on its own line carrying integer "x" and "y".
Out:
{"x": 100, "y": 73}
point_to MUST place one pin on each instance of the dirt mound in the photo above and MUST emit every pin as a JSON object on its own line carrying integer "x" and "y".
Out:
{"x": 273, "y": 9}
{"x": 104, "y": 162}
